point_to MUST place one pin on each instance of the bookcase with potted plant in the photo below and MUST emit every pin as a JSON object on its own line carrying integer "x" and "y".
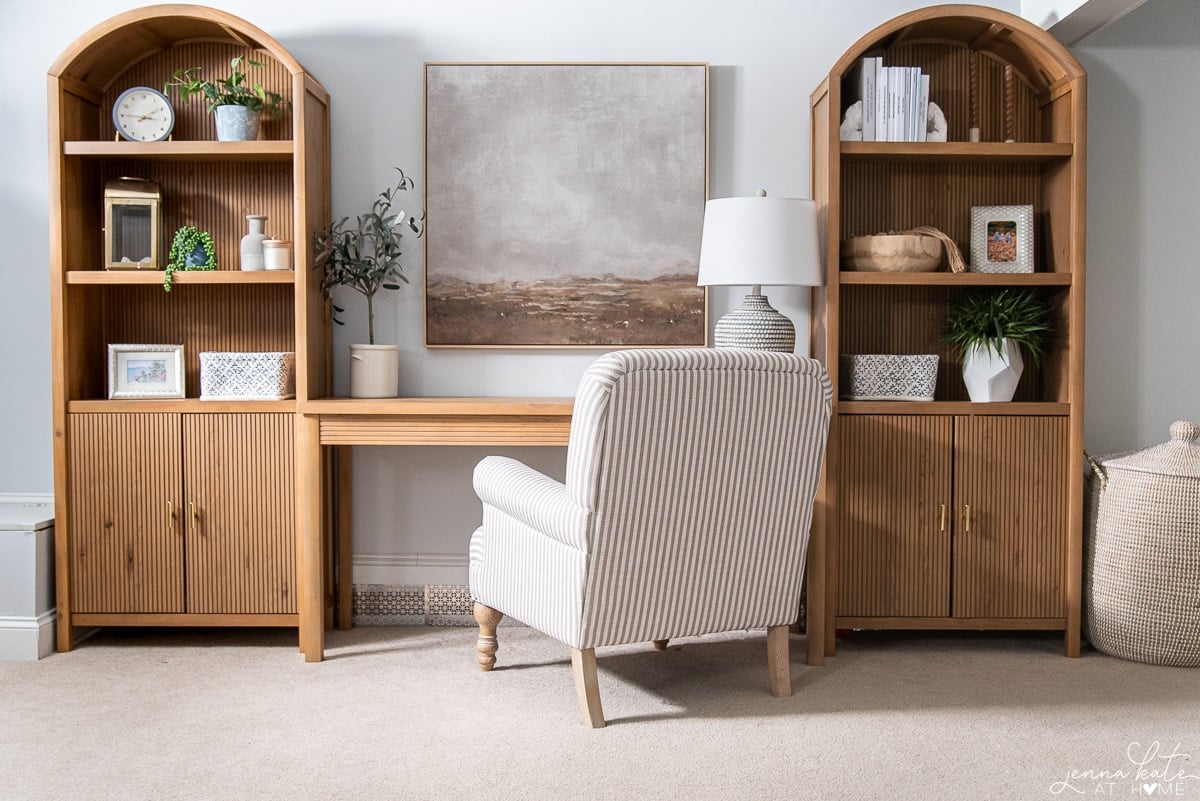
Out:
{"x": 180, "y": 510}
{"x": 946, "y": 513}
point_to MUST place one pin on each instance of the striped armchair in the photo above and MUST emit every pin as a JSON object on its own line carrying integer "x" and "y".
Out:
{"x": 690, "y": 481}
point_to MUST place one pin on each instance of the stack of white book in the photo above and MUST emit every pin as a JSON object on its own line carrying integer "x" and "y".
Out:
{"x": 895, "y": 102}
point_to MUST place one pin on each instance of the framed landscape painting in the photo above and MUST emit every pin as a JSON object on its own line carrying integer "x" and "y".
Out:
{"x": 564, "y": 204}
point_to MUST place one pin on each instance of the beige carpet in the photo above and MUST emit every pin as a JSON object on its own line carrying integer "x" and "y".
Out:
{"x": 403, "y": 713}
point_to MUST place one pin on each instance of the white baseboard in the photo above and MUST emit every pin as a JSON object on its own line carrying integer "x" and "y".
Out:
{"x": 27, "y": 639}
{"x": 410, "y": 569}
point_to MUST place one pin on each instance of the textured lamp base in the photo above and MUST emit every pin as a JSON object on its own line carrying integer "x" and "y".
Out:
{"x": 755, "y": 325}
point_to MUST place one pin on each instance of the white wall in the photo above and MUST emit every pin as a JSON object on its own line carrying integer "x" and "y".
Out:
{"x": 414, "y": 507}
{"x": 1143, "y": 266}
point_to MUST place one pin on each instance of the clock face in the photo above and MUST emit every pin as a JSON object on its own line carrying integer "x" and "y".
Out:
{"x": 142, "y": 114}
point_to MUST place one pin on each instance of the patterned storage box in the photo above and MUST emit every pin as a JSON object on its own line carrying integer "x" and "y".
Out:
{"x": 247, "y": 376}
{"x": 889, "y": 377}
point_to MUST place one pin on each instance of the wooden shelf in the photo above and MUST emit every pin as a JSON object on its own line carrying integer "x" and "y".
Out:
{"x": 149, "y": 405}
{"x": 955, "y": 279}
{"x": 155, "y": 277}
{"x": 276, "y": 150}
{"x": 1026, "y": 409}
{"x": 991, "y": 152}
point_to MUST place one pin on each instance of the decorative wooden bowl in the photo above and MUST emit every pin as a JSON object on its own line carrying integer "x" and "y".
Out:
{"x": 893, "y": 253}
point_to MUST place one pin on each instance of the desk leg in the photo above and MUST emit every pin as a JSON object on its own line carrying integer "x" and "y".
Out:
{"x": 345, "y": 536}
{"x": 310, "y": 573}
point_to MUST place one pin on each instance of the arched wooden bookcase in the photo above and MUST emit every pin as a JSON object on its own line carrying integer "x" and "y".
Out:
{"x": 180, "y": 511}
{"x": 894, "y": 547}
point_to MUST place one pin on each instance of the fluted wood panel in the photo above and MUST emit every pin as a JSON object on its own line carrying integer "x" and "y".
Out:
{"x": 893, "y": 555}
{"x": 126, "y": 549}
{"x": 241, "y": 546}
{"x": 200, "y": 317}
{"x": 908, "y": 320}
{"x": 213, "y": 196}
{"x": 1012, "y": 472}
{"x": 948, "y": 65}
{"x": 192, "y": 120}
{"x": 881, "y": 195}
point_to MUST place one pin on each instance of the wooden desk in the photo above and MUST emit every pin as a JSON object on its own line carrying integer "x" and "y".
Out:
{"x": 344, "y": 422}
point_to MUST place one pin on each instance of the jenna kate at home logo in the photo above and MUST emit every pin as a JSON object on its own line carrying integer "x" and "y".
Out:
{"x": 1152, "y": 770}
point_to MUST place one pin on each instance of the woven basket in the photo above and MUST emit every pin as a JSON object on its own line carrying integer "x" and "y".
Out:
{"x": 1141, "y": 566}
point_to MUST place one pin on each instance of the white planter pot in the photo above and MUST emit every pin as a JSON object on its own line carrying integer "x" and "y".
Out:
{"x": 236, "y": 124}
{"x": 374, "y": 371}
{"x": 992, "y": 377}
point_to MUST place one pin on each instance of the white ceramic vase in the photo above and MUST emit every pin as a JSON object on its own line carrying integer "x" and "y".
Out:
{"x": 236, "y": 123}
{"x": 252, "y": 243}
{"x": 374, "y": 371}
{"x": 992, "y": 377}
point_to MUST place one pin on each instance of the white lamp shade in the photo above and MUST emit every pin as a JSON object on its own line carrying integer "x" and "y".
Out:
{"x": 750, "y": 241}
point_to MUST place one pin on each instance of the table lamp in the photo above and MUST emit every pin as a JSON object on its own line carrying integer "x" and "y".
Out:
{"x": 756, "y": 241}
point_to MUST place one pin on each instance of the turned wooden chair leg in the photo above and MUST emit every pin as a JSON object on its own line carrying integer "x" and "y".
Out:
{"x": 587, "y": 690}
{"x": 487, "y": 618}
{"x": 660, "y": 645}
{"x": 778, "y": 661}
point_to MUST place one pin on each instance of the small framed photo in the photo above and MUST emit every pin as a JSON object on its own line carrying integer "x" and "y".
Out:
{"x": 145, "y": 371}
{"x": 1002, "y": 239}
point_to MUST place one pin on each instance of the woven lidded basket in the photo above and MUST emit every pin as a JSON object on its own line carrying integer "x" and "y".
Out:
{"x": 1141, "y": 565}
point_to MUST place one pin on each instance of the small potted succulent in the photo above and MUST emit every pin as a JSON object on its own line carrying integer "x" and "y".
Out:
{"x": 235, "y": 101}
{"x": 991, "y": 328}
{"x": 191, "y": 249}
{"x": 365, "y": 256}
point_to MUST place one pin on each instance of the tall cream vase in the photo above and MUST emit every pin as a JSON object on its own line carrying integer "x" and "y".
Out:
{"x": 374, "y": 371}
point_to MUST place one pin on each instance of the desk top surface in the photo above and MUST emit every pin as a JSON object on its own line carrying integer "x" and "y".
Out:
{"x": 453, "y": 406}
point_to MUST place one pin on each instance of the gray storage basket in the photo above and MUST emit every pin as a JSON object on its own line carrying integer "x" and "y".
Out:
{"x": 1141, "y": 565}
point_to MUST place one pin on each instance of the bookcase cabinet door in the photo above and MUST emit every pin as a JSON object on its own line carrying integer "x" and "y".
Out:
{"x": 894, "y": 542}
{"x": 126, "y": 545}
{"x": 239, "y": 476}
{"x": 1010, "y": 556}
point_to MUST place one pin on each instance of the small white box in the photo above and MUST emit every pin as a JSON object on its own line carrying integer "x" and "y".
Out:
{"x": 27, "y": 611}
{"x": 889, "y": 377}
{"x": 247, "y": 376}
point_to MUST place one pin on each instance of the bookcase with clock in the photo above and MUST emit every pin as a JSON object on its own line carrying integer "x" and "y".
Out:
{"x": 944, "y": 513}
{"x": 178, "y": 510}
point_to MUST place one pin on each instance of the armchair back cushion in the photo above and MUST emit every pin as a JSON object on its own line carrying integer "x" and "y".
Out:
{"x": 690, "y": 481}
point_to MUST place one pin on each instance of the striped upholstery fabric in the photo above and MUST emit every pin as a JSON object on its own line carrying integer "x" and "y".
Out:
{"x": 690, "y": 482}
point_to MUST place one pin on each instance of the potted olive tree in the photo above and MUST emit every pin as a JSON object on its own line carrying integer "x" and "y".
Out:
{"x": 235, "y": 101}
{"x": 991, "y": 328}
{"x": 365, "y": 256}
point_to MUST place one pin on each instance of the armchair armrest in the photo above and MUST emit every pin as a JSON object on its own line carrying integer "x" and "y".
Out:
{"x": 532, "y": 498}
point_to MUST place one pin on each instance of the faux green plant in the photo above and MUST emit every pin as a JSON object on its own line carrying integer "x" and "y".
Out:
{"x": 236, "y": 89}
{"x": 191, "y": 249}
{"x": 365, "y": 255}
{"x": 984, "y": 318}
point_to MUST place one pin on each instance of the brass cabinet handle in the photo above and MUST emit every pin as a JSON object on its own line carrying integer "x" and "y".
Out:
{"x": 170, "y": 515}
{"x": 192, "y": 513}
{"x": 942, "y": 524}
{"x": 966, "y": 517}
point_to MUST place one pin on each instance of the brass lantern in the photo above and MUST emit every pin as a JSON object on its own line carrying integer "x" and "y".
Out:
{"x": 132, "y": 212}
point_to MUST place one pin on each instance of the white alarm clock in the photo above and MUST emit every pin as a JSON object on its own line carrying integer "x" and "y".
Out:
{"x": 142, "y": 114}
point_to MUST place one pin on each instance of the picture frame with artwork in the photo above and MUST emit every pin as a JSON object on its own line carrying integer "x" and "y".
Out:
{"x": 564, "y": 204}
{"x": 1002, "y": 239}
{"x": 145, "y": 371}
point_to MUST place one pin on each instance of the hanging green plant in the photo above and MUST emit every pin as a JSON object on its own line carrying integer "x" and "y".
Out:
{"x": 191, "y": 249}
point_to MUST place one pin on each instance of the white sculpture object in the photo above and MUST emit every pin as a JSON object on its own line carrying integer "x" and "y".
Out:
{"x": 852, "y": 123}
{"x": 935, "y": 124}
